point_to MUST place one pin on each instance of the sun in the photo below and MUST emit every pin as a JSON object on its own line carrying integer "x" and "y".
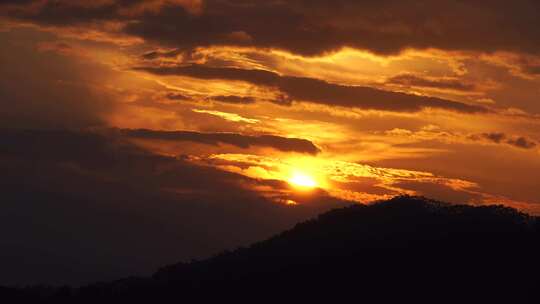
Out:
{"x": 302, "y": 180}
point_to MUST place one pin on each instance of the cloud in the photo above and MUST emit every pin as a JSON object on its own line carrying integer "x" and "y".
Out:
{"x": 151, "y": 55}
{"x": 351, "y": 181}
{"x": 69, "y": 12}
{"x": 177, "y": 96}
{"x": 419, "y": 81}
{"x": 532, "y": 69}
{"x": 228, "y": 116}
{"x": 58, "y": 46}
{"x": 432, "y": 132}
{"x": 42, "y": 88}
{"x": 433, "y": 189}
{"x": 234, "y": 99}
{"x": 522, "y": 142}
{"x": 501, "y": 138}
{"x": 495, "y": 137}
{"x": 310, "y": 27}
{"x": 319, "y": 91}
{"x": 242, "y": 141}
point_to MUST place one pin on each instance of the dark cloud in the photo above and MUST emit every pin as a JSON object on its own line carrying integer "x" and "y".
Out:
{"x": 46, "y": 89}
{"x": 528, "y": 65}
{"x": 522, "y": 142}
{"x": 496, "y": 137}
{"x": 58, "y": 46}
{"x": 532, "y": 69}
{"x": 234, "y": 99}
{"x": 80, "y": 206}
{"x": 418, "y": 81}
{"x": 315, "y": 26}
{"x": 502, "y": 138}
{"x": 243, "y": 141}
{"x": 17, "y": 1}
{"x": 177, "y": 96}
{"x": 161, "y": 54}
{"x": 319, "y": 91}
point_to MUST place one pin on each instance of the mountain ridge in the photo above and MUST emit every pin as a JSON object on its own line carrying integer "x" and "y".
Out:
{"x": 480, "y": 252}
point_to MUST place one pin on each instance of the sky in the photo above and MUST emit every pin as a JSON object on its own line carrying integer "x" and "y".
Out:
{"x": 177, "y": 128}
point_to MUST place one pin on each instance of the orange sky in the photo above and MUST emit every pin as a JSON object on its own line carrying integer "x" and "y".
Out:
{"x": 360, "y": 103}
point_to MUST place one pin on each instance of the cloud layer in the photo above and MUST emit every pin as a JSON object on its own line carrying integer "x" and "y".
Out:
{"x": 318, "y": 91}
{"x": 243, "y": 141}
{"x": 308, "y": 27}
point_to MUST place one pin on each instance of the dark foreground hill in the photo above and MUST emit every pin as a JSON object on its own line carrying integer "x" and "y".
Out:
{"x": 404, "y": 250}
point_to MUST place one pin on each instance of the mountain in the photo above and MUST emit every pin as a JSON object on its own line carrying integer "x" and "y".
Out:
{"x": 407, "y": 249}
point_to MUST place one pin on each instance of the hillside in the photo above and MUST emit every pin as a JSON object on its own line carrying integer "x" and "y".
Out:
{"x": 404, "y": 249}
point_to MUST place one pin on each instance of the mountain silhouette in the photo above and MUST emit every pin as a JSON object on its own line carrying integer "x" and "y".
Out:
{"x": 404, "y": 250}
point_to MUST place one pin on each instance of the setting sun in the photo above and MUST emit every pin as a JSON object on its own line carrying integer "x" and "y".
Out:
{"x": 303, "y": 180}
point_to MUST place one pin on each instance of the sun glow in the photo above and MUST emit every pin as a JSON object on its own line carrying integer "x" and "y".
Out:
{"x": 302, "y": 173}
{"x": 302, "y": 180}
